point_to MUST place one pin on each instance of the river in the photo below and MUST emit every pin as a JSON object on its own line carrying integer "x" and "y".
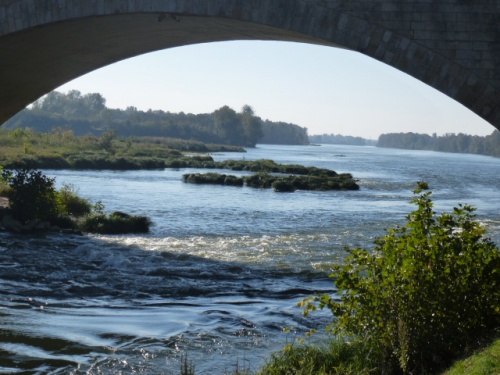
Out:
{"x": 218, "y": 277}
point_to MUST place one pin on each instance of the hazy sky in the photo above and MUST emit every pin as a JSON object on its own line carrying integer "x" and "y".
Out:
{"x": 327, "y": 90}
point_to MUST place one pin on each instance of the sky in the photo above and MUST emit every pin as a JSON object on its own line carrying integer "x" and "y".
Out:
{"x": 325, "y": 89}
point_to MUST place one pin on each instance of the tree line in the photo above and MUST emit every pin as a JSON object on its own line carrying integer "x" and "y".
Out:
{"x": 338, "y": 139}
{"x": 458, "y": 143}
{"x": 88, "y": 114}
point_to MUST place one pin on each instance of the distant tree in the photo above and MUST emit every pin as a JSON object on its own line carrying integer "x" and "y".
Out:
{"x": 252, "y": 126}
{"x": 228, "y": 125}
{"x": 460, "y": 143}
{"x": 106, "y": 140}
{"x": 283, "y": 133}
{"x": 88, "y": 114}
{"x": 337, "y": 139}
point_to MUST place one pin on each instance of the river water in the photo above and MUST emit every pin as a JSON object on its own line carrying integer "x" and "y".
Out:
{"x": 218, "y": 277}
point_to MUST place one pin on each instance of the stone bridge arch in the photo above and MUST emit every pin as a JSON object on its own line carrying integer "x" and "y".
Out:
{"x": 451, "y": 45}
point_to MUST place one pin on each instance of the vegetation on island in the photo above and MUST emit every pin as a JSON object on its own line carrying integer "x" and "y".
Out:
{"x": 88, "y": 115}
{"x": 61, "y": 149}
{"x": 458, "y": 143}
{"x": 289, "y": 183}
{"x": 269, "y": 174}
{"x": 34, "y": 204}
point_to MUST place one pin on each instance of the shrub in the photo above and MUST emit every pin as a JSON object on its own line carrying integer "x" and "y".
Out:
{"x": 233, "y": 181}
{"x": 260, "y": 180}
{"x": 428, "y": 293}
{"x": 115, "y": 223}
{"x": 32, "y": 195}
{"x": 283, "y": 185}
{"x": 71, "y": 203}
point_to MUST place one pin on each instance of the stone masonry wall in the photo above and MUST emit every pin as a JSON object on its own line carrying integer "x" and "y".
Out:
{"x": 452, "y": 45}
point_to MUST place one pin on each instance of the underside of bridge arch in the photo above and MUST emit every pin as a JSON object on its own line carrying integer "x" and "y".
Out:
{"x": 51, "y": 55}
{"x": 45, "y": 47}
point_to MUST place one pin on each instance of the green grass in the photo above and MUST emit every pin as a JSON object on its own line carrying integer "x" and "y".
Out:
{"x": 485, "y": 362}
{"x": 360, "y": 358}
{"x": 357, "y": 357}
{"x": 334, "y": 357}
{"x": 60, "y": 149}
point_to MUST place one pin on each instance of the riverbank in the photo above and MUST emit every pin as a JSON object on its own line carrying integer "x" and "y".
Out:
{"x": 62, "y": 150}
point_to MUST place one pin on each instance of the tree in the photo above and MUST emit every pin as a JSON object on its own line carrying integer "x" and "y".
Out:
{"x": 427, "y": 294}
{"x": 106, "y": 140}
{"x": 228, "y": 125}
{"x": 32, "y": 195}
{"x": 252, "y": 126}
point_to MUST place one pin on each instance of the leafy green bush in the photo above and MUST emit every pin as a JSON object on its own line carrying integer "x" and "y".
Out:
{"x": 260, "y": 180}
{"x": 233, "y": 181}
{"x": 427, "y": 294}
{"x": 114, "y": 223}
{"x": 283, "y": 185}
{"x": 32, "y": 195}
{"x": 71, "y": 203}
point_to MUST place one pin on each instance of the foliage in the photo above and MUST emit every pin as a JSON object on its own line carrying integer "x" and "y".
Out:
{"x": 71, "y": 203}
{"x": 338, "y": 139}
{"x": 114, "y": 223}
{"x": 60, "y": 149}
{"x": 281, "y": 133}
{"x": 428, "y": 293}
{"x": 88, "y": 115}
{"x": 260, "y": 180}
{"x": 336, "y": 357}
{"x": 213, "y": 179}
{"x": 283, "y": 185}
{"x": 106, "y": 140}
{"x": 486, "y": 361}
{"x": 460, "y": 143}
{"x": 33, "y": 198}
{"x": 32, "y": 195}
{"x": 279, "y": 183}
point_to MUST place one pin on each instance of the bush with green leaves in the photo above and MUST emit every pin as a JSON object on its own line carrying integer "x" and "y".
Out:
{"x": 70, "y": 203}
{"x": 114, "y": 223}
{"x": 427, "y": 294}
{"x": 32, "y": 195}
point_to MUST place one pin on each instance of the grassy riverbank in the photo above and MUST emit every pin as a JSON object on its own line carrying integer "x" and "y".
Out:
{"x": 351, "y": 358}
{"x": 486, "y": 361}
{"x": 61, "y": 149}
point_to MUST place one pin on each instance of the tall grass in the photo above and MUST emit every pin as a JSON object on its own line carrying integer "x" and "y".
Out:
{"x": 484, "y": 362}
{"x": 335, "y": 356}
{"x": 60, "y": 149}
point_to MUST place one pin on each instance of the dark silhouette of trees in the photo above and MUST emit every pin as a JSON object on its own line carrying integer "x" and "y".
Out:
{"x": 459, "y": 143}
{"x": 338, "y": 139}
{"x": 284, "y": 133}
{"x": 88, "y": 114}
